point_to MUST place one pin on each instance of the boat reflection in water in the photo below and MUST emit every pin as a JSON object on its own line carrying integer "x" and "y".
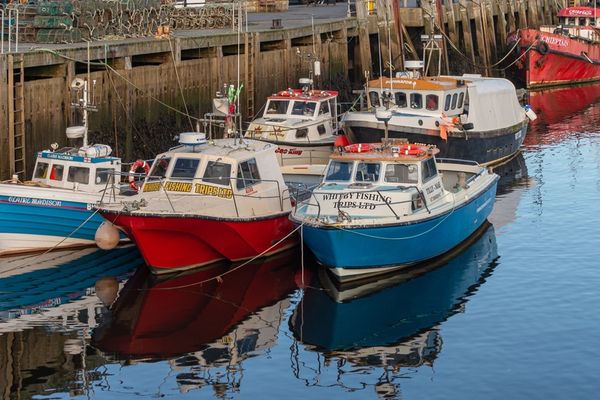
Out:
{"x": 213, "y": 317}
{"x": 391, "y": 322}
{"x": 49, "y": 304}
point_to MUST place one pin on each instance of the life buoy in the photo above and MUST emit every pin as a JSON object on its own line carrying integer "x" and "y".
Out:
{"x": 284, "y": 93}
{"x": 133, "y": 170}
{"x": 359, "y": 148}
{"x": 411, "y": 150}
{"x": 542, "y": 48}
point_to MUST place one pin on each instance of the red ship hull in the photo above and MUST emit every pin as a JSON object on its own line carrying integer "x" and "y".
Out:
{"x": 168, "y": 243}
{"x": 549, "y": 59}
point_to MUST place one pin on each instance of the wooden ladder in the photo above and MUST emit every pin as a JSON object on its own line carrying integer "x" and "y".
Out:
{"x": 16, "y": 115}
{"x": 250, "y": 61}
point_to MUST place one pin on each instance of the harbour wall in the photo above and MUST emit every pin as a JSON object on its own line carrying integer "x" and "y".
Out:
{"x": 148, "y": 89}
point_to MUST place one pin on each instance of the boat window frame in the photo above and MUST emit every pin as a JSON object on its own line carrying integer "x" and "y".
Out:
{"x": 436, "y": 98}
{"x": 37, "y": 169}
{"x": 350, "y": 172}
{"x": 216, "y": 180}
{"x": 322, "y": 105}
{"x": 80, "y": 179}
{"x": 408, "y": 181}
{"x": 454, "y": 100}
{"x": 185, "y": 178}
{"x": 413, "y": 97}
{"x": 53, "y": 172}
{"x": 304, "y": 108}
{"x": 426, "y": 170}
{"x": 158, "y": 162}
{"x": 447, "y": 102}
{"x": 371, "y": 95}
{"x": 376, "y": 175}
{"x": 405, "y": 99}
{"x": 321, "y": 130}
{"x": 287, "y": 108}
{"x": 103, "y": 174}
{"x": 253, "y": 172}
{"x": 461, "y": 99}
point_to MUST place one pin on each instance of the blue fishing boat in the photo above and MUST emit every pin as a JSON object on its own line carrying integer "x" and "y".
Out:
{"x": 391, "y": 205}
{"x": 54, "y": 208}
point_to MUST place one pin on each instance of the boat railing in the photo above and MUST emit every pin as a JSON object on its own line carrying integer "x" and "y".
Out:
{"x": 455, "y": 161}
{"x": 391, "y": 206}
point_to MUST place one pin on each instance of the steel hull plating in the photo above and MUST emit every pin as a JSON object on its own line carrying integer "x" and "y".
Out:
{"x": 375, "y": 249}
{"x": 566, "y": 60}
{"x": 31, "y": 224}
{"x": 168, "y": 243}
{"x": 483, "y": 147}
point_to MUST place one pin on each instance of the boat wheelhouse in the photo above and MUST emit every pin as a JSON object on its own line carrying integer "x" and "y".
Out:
{"x": 387, "y": 206}
{"x": 207, "y": 201}
{"x": 54, "y": 208}
{"x": 466, "y": 117}
{"x": 301, "y": 122}
{"x": 560, "y": 54}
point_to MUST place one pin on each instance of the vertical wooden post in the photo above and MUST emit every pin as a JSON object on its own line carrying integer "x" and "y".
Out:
{"x": 363, "y": 39}
{"x": 4, "y": 162}
{"x": 490, "y": 29}
{"x": 501, "y": 13}
{"x": 465, "y": 6}
{"x": 440, "y": 17}
{"x": 398, "y": 31}
{"x": 510, "y": 11}
{"x": 522, "y": 14}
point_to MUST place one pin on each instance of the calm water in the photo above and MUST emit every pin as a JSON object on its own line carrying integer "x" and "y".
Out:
{"x": 515, "y": 315}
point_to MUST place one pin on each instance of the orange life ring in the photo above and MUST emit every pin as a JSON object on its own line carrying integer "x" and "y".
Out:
{"x": 133, "y": 170}
{"x": 411, "y": 150}
{"x": 359, "y": 148}
{"x": 284, "y": 93}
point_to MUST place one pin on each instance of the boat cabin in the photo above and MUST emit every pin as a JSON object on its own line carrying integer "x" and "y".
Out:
{"x": 577, "y": 22}
{"x": 400, "y": 179}
{"x": 297, "y": 115}
{"x": 87, "y": 169}
{"x": 244, "y": 175}
{"x": 428, "y": 95}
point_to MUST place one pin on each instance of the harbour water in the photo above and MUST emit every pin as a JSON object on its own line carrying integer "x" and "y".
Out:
{"x": 514, "y": 315}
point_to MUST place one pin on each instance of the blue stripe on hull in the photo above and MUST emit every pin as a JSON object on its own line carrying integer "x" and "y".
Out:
{"x": 364, "y": 247}
{"x": 46, "y": 220}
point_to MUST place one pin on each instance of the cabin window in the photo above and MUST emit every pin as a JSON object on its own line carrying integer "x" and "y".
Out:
{"x": 401, "y": 173}
{"x": 582, "y": 21}
{"x": 278, "y": 106}
{"x": 416, "y": 100}
{"x": 306, "y": 108}
{"x": 454, "y": 99}
{"x": 332, "y": 106}
{"x": 41, "y": 170}
{"x": 324, "y": 108}
{"x": 79, "y": 175}
{"x": 374, "y": 99}
{"x": 321, "y": 129}
{"x": 102, "y": 175}
{"x": 217, "y": 172}
{"x": 447, "y": 103}
{"x": 339, "y": 171}
{"x": 247, "y": 174}
{"x": 401, "y": 99}
{"x": 429, "y": 169}
{"x": 461, "y": 98}
{"x": 367, "y": 172}
{"x": 159, "y": 169}
{"x": 301, "y": 133}
{"x": 431, "y": 102}
{"x": 185, "y": 168}
{"x": 56, "y": 174}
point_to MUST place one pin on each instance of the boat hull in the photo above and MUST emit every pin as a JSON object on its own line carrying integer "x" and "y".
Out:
{"x": 289, "y": 154}
{"x": 360, "y": 251}
{"x": 549, "y": 59}
{"x": 483, "y": 147}
{"x": 180, "y": 242}
{"x": 37, "y": 223}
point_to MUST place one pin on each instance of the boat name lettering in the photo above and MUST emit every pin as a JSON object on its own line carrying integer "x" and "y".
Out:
{"x": 37, "y": 202}
{"x": 369, "y": 196}
{"x": 151, "y": 187}
{"x": 576, "y": 12}
{"x": 288, "y": 151}
{"x": 403, "y": 82}
{"x": 178, "y": 186}
{"x": 554, "y": 40}
{"x": 433, "y": 188}
{"x": 208, "y": 190}
{"x": 58, "y": 156}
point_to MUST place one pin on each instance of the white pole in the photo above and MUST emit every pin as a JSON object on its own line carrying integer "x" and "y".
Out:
{"x": 2, "y": 32}
{"x": 9, "y": 29}
{"x": 17, "y": 32}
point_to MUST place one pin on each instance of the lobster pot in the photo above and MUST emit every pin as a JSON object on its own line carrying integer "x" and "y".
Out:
{"x": 55, "y": 7}
{"x": 97, "y": 150}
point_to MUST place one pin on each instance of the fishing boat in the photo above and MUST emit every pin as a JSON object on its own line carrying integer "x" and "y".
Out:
{"x": 54, "y": 208}
{"x": 387, "y": 206}
{"x": 466, "y": 117}
{"x": 561, "y": 54}
{"x": 303, "y": 124}
{"x": 205, "y": 201}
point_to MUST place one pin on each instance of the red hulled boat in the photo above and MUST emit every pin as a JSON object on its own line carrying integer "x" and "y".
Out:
{"x": 208, "y": 201}
{"x": 559, "y": 54}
